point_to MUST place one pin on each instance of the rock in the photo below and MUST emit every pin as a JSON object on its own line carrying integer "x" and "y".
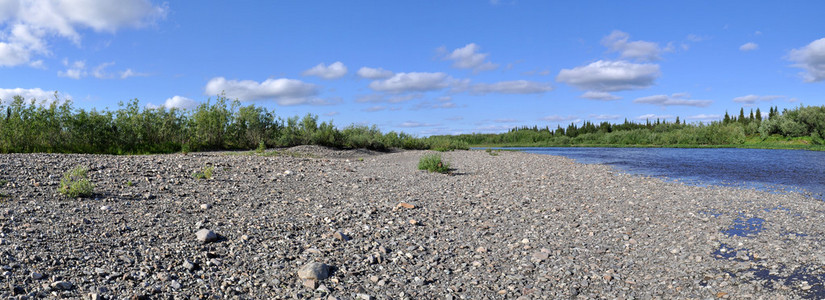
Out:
{"x": 310, "y": 283}
{"x": 206, "y": 235}
{"x": 405, "y": 205}
{"x": 175, "y": 284}
{"x": 340, "y": 236}
{"x": 481, "y": 249}
{"x": 105, "y": 208}
{"x": 315, "y": 270}
{"x": 36, "y": 276}
{"x": 62, "y": 285}
{"x": 205, "y": 206}
{"x": 188, "y": 265}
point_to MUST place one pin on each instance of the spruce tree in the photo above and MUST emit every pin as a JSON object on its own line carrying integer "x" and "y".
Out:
{"x": 742, "y": 115}
{"x": 758, "y": 115}
{"x": 727, "y": 118}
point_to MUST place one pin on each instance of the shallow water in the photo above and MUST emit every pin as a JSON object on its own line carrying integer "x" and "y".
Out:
{"x": 771, "y": 170}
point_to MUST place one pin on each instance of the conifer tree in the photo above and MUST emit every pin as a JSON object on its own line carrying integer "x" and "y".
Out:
{"x": 758, "y": 115}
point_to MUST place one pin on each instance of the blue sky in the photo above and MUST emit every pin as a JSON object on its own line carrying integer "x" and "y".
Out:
{"x": 422, "y": 67}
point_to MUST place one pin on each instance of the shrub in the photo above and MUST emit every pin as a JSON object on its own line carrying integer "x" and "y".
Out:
{"x": 205, "y": 173}
{"x": 75, "y": 183}
{"x": 261, "y": 147}
{"x": 433, "y": 163}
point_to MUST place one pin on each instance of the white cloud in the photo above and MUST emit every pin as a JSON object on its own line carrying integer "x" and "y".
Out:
{"x": 469, "y": 58}
{"x": 604, "y": 117}
{"x": 617, "y": 41}
{"x": 388, "y": 98}
{"x": 332, "y": 113}
{"x": 374, "y": 73}
{"x": 604, "y": 96}
{"x": 558, "y": 118}
{"x": 27, "y": 25}
{"x": 129, "y": 73}
{"x": 334, "y": 71}
{"x": 75, "y": 70}
{"x": 410, "y": 124}
{"x": 610, "y": 76}
{"x": 39, "y": 95}
{"x": 672, "y": 100}
{"x": 100, "y": 71}
{"x": 506, "y": 120}
{"x": 413, "y": 82}
{"x": 704, "y": 117}
{"x": 375, "y": 108}
{"x": 749, "y": 46}
{"x": 512, "y": 87}
{"x": 653, "y": 116}
{"x": 284, "y": 91}
{"x": 751, "y": 99}
{"x": 810, "y": 58}
{"x": 180, "y": 102}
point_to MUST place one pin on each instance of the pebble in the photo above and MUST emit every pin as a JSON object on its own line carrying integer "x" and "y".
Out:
{"x": 36, "y": 276}
{"x": 340, "y": 236}
{"x": 62, "y": 285}
{"x": 205, "y": 235}
{"x": 314, "y": 270}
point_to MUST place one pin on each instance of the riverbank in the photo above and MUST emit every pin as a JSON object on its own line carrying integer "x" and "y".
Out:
{"x": 750, "y": 143}
{"x": 508, "y": 225}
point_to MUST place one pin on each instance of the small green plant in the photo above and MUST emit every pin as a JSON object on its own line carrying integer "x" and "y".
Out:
{"x": 184, "y": 148}
{"x": 3, "y": 182}
{"x": 261, "y": 147}
{"x": 129, "y": 183}
{"x": 205, "y": 173}
{"x": 75, "y": 183}
{"x": 433, "y": 163}
{"x": 360, "y": 159}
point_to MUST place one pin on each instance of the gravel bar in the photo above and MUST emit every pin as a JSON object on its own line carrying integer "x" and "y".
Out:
{"x": 317, "y": 223}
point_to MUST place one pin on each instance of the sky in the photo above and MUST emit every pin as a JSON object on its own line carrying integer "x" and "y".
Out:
{"x": 422, "y": 67}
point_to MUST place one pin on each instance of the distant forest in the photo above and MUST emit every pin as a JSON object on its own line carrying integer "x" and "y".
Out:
{"x": 791, "y": 128}
{"x": 28, "y": 126}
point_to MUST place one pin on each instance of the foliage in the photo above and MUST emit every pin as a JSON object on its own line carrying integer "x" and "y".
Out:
{"x": 433, "y": 163}
{"x": 205, "y": 173}
{"x": 75, "y": 183}
{"x": 219, "y": 124}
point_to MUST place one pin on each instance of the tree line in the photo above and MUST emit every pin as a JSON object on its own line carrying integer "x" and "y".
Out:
{"x": 804, "y": 122}
{"x": 28, "y": 126}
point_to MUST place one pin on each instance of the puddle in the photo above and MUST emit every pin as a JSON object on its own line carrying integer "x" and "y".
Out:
{"x": 808, "y": 281}
{"x": 745, "y": 228}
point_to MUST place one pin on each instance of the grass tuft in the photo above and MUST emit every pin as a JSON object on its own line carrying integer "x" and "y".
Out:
{"x": 75, "y": 183}
{"x": 433, "y": 163}
{"x": 205, "y": 173}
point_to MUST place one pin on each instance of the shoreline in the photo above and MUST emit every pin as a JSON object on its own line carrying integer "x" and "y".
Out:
{"x": 512, "y": 225}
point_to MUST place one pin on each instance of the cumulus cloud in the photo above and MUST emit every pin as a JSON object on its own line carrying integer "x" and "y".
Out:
{"x": 604, "y": 96}
{"x": 618, "y": 41}
{"x": 284, "y": 91}
{"x": 749, "y": 46}
{"x": 180, "y": 102}
{"x": 512, "y": 87}
{"x": 374, "y": 73}
{"x": 673, "y": 100}
{"x": 413, "y": 82}
{"x": 334, "y": 71}
{"x": 130, "y": 73}
{"x": 390, "y": 98}
{"x": 468, "y": 57}
{"x": 751, "y": 99}
{"x": 810, "y": 58}
{"x": 39, "y": 95}
{"x": 27, "y": 25}
{"x": 75, "y": 70}
{"x": 610, "y": 76}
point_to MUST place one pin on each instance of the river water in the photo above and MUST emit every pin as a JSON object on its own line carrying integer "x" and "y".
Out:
{"x": 771, "y": 170}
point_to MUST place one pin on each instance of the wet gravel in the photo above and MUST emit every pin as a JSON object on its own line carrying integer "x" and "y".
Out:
{"x": 358, "y": 224}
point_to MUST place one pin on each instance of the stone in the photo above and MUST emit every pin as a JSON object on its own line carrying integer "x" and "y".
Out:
{"x": 175, "y": 284}
{"x": 315, "y": 270}
{"x": 188, "y": 265}
{"x": 205, "y": 206}
{"x": 481, "y": 249}
{"x": 341, "y": 236}
{"x": 206, "y": 235}
{"x": 36, "y": 275}
{"x": 405, "y": 205}
{"x": 310, "y": 283}
{"x": 105, "y": 208}
{"x": 62, "y": 285}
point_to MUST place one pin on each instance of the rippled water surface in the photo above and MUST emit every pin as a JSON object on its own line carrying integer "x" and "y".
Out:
{"x": 773, "y": 170}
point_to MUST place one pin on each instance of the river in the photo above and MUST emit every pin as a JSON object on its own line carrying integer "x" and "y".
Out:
{"x": 771, "y": 170}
